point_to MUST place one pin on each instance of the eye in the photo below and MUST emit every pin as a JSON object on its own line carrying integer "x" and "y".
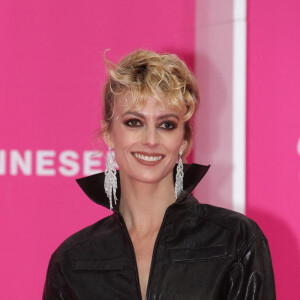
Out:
{"x": 133, "y": 123}
{"x": 168, "y": 125}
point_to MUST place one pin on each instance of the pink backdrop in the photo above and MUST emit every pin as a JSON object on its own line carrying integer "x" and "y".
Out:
{"x": 273, "y": 131}
{"x": 51, "y": 76}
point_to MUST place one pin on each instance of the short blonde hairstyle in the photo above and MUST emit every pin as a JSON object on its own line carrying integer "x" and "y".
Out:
{"x": 145, "y": 73}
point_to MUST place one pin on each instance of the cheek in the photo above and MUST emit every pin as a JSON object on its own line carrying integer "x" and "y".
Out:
{"x": 173, "y": 144}
{"x": 116, "y": 133}
{"x": 176, "y": 139}
{"x": 122, "y": 138}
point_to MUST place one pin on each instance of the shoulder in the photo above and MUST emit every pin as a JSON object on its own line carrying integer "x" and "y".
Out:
{"x": 240, "y": 225}
{"x": 81, "y": 239}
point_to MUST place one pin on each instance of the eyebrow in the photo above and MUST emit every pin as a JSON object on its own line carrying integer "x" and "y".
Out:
{"x": 143, "y": 117}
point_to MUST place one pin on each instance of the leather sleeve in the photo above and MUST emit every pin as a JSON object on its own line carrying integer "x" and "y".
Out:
{"x": 252, "y": 276}
{"x": 54, "y": 284}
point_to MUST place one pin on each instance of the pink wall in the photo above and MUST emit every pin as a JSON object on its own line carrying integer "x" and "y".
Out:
{"x": 50, "y": 81}
{"x": 273, "y": 131}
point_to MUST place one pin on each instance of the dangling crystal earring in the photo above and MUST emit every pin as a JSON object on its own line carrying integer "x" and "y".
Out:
{"x": 179, "y": 177}
{"x": 110, "y": 181}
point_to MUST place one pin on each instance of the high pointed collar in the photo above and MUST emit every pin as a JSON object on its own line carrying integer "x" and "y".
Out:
{"x": 93, "y": 185}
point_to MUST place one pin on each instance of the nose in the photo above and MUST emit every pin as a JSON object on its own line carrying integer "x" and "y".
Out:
{"x": 151, "y": 136}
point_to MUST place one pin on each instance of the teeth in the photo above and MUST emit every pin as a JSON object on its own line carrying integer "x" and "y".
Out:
{"x": 147, "y": 158}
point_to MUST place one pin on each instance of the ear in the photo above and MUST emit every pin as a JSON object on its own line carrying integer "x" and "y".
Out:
{"x": 107, "y": 137}
{"x": 183, "y": 145}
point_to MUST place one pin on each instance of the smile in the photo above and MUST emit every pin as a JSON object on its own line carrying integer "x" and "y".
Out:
{"x": 147, "y": 157}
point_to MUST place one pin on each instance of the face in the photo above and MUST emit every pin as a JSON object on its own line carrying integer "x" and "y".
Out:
{"x": 146, "y": 141}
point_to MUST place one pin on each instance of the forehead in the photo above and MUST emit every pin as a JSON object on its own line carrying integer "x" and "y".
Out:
{"x": 147, "y": 105}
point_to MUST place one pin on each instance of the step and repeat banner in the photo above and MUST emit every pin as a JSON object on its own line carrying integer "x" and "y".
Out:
{"x": 51, "y": 78}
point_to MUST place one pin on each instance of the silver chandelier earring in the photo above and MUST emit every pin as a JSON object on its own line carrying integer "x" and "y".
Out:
{"x": 110, "y": 181}
{"x": 179, "y": 176}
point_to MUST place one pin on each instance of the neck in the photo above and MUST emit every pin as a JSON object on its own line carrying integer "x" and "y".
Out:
{"x": 143, "y": 204}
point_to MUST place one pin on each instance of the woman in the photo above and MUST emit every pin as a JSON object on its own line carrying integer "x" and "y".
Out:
{"x": 159, "y": 243}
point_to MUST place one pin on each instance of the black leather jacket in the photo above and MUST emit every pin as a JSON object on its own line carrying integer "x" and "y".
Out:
{"x": 201, "y": 252}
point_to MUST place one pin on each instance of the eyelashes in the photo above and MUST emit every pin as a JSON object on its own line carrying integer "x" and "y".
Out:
{"x": 166, "y": 125}
{"x": 133, "y": 123}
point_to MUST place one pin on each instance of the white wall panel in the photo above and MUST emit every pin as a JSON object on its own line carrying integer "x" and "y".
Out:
{"x": 219, "y": 124}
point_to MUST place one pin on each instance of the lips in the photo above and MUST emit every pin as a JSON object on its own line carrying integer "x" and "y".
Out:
{"x": 149, "y": 159}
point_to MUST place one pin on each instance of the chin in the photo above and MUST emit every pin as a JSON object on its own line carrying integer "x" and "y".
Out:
{"x": 147, "y": 174}
{"x": 151, "y": 176}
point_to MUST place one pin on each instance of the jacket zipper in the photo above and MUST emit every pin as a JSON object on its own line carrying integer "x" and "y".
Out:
{"x": 155, "y": 250}
{"x": 61, "y": 293}
{"x": 133, "y": 255}
{"x": 153, "y": 254}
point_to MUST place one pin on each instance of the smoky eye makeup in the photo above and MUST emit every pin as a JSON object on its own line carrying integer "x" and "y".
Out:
{"x": 162, "y": 124}
{"x": 133, "y": 123}
{"x": 168, "y": 125}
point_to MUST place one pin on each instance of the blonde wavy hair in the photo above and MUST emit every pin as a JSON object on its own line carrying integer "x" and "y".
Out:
{"x": 145, "y": 73}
